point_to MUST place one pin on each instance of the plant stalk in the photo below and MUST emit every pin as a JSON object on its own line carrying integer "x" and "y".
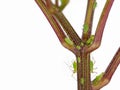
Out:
{"x": 79, "y": 47}
{"x": 83, "y": 71}
{"x": 101, "y": 25}
{"x": 89, "y": 19}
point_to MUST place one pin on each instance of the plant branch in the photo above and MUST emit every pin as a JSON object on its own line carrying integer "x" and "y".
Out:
{"x": 62, "y": 21}
{"x": 109, "y": 71}
{"x": 57, "y": 3}
{"x": 56, "y": 27}
{"x": 48, "y": 3}
{"x": 81, "y": 47}
{"x": 83, "y": 71}
{"x": 59, "y": 16}
{"x": 68, "y": 28}
{"x": 100, "y": 26}
{"x": 88, "y": 20}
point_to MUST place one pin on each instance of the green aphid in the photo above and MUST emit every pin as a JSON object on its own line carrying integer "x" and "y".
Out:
{"x": 97, "y": 79}
{"x": 94, "y": 5}
{"x": 81, "y": 44}
{"x": 82, "y": 81}
{"x": 90, "y": 40}
{"x": 74, "y": 67}
{"x": 91, "y": 66}
{"x": 68, "y": 41}
{"x": 63, "y": 4}
{"x": 78, "y": 47}
{"x": 78, "y": 58}
{"x": 85, "y": 28}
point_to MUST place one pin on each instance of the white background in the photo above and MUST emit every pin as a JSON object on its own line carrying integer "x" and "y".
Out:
{"x": 32, "y": 58}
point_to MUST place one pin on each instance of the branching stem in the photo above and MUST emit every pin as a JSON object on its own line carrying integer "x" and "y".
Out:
{"x": 81, "y": 47}
{"x": 100, "y": 26}
{"x": 56, "y": 27}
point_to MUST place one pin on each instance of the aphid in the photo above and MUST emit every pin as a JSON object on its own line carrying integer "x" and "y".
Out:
{"x": 68, "y": 41}
{"x": 92, "y": 68}
{"x": 74, "y": 65}
{"x": 94, "y": 5}
{"x": 78, "y": 47}
{"x": 78, "y": 58}
{"x": 81, "y": 44}
{"x": 82, "y": 81}
{"x": 97, "y": 79}
{"x": 90, "y": 40}
{"x": 85, "y": 28}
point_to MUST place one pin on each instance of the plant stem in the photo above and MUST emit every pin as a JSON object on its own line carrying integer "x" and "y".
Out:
{"x": 55, "y": 25}
{"x": 83, "y": 71}
{"x": 109, "y": 71}
{"x": 112, "y": 66}
{"x": 89, "y": 19}
{"x": 100, "y": 26}
{"x": 68, "y": 28}
{"x": 71, "y": 40}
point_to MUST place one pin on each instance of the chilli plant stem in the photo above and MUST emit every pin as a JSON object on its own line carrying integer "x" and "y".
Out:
{"x": 100, "y": 26}
{"x": 89, "y": 19}
{"x": 81, "y": 47}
